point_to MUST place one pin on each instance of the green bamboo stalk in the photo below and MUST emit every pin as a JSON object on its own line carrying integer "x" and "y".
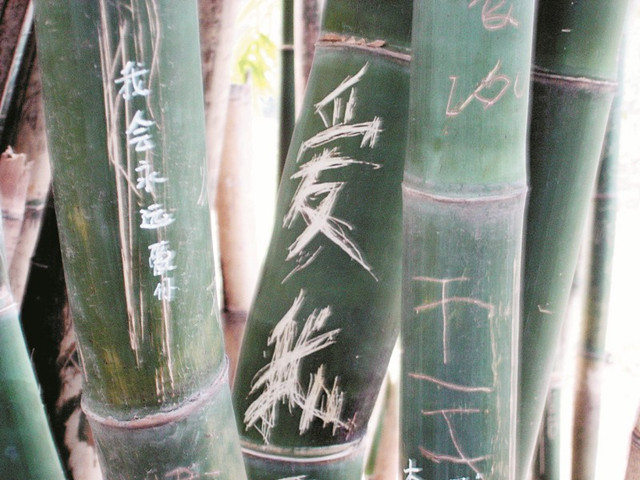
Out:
{"x": 28, "y": 451}
{"x": 574, "y": 76}
{"x": 549, "y": 456}
{"x": 287, "y": 82}
{"x": 464, "y": 196}
{"x": 16, "y": 26}
{"x": 124, "y": 108}
{"x": 324, "y": 320}
{"x": 591, "y": 359}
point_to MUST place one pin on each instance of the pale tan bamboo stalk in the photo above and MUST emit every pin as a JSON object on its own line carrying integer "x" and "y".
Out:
{"x": 15, "y": 171}
{"x": 217, "y": 20}
{"x": 306, "y": 29}
{"x": 31, "y": 141}
{"x": 236, "y": 218}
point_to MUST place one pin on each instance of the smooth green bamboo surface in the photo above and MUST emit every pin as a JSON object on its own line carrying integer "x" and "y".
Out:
{"x": 27, "y": 450}
{"x": 325, "y": 317}
{"x": 591, "y": 359}
{"x": 464, "y": 197}
{"x": 575, "y": 69}
{"x": 124, "y": 109}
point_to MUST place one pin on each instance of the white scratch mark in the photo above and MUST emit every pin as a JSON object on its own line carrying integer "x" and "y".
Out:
{"x": 444, "y": 301}
{"x": 450, "y": 385}
{"x": 339, "y": 90}
{"x": 544, "y": 310}
{"x": 279, "y": 380}
{"x": 315, "y": 201}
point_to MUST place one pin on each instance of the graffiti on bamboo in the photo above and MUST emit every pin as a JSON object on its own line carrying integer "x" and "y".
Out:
{"x": 279, "y": 381}
{"x": 496, "y": 14}
{"x": 488, "y": 92}
{"x": 182, "y": 473}
{"x": 453, "y": 418}
{"x": 315, "y": 200}
{"x": 412, "y": 471}
{"x": 154, "y": 215}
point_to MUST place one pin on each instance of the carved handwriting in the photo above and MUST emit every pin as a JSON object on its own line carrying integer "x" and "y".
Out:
{"x": 443, "y": 303}
{"x": 139, "y": 136}
{"x": 412, "y": 471}
{"x": 494, "y": 16}
{"x": 133, "y": 80}
{"x": 449, "y": 415}
{"x": 279, "y": 381}
{"x": 488, "y": 92}
{"x": 315, "y": 200}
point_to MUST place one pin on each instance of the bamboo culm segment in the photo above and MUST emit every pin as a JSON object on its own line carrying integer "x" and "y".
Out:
{"x": 464, "y": 193}
{"x": 591, "y": 360}
{"x": 27, "y": 447}
{"x": 458, "y": 381}
{"x": 575, "y": 69}
{"x": 124, "y": 109}
{"x": 325, "y": 313}
{"x": 324, "y": 320}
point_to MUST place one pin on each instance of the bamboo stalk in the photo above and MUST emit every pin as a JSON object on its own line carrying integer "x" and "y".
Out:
{"x": 306, "y": 29}
{"x": 574, "y": 78}
{"x": 15, "y": 172}
{"x": 287, "y": 82}
{"x": 30, "y": 140}
{"x": 591, "y": 359}
{"x": 235, "y": 205}
{"x": 464, "y": 196}
{"x": 633, "y": 466}
{"x": 28, "y": 451}
{"x": 16, "y": 20}
{"x": 324, "y": 320}
{"x": 128, "y": 150}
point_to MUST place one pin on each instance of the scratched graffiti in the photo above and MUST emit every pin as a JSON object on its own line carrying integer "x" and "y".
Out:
{"x": 488, "y": 92}
{"x": 315, "y": 200}
{"x": 279, "y": 381}
{"x": 191, "y": 472}
{"x": 453, "y": 418}
{"x": 496, "y": 14}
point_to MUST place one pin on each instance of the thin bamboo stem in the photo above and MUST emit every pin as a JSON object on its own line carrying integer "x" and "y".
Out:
{"x": 591, "y": 359}
{"x": 574, "y": 83}
{"x": 25, "y": 439}
{"x": 31, "y": 141}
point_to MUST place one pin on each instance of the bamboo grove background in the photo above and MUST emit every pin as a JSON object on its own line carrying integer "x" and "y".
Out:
{"x": 252, "y": 127}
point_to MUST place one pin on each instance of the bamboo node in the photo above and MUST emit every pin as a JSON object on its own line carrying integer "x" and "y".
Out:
{"x": 186, "y": 408}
